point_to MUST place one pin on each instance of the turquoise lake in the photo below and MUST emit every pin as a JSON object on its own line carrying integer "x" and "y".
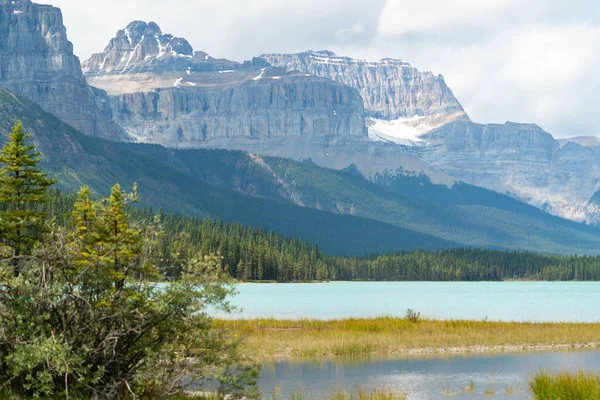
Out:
{"x": 496, "y": 301}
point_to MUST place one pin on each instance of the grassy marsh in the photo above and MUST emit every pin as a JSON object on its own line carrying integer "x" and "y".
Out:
{"x": 266, "y": 339}
{"x": 565, "y": 386}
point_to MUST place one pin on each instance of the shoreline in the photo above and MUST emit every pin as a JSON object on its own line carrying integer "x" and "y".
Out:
{"x": 276, "y": 340}
{"x": 498, "y": 349}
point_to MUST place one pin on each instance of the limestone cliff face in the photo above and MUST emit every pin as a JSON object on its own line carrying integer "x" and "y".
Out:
{"x": 37, "y": 60}
{"x": 291, "y": 106}
{"x": 164, "y": 92}
{"x": 521, "y": 160}
{"x": 391, "y": 88}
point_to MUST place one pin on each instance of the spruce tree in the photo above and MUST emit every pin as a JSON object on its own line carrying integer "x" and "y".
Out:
{"x": 22, "y": 186}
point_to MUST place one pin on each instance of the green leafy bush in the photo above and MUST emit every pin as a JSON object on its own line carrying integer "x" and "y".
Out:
{"x": 80, "y": 318}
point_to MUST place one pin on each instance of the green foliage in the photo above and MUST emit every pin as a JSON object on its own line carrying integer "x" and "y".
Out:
{"x": 22, "y": 184}
{"x": 565, "y": 386}
{"x": 82, "y": 318}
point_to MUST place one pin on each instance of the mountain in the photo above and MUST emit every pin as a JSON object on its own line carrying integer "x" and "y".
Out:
{"x": 77, "y": 159}
{"x": 401, "y": 102}
{"x": 585, "y": 141}
{"x": 164, "y": 92}
{"x": 521, "y": 160}
{"x": 37, "y": 60}
{"x": 391, "y": 88}
{"x": 339, "y": 210}
{"x": 406, "y": 107}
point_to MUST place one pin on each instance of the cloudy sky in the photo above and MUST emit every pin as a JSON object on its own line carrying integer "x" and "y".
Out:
{"x": 506, "y": 60}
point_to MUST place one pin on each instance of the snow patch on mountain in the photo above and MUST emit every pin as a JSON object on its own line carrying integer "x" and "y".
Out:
{"x": 402, "y": 131}
{"x": 259, "y": 77}
{"x": 407, "y": 131}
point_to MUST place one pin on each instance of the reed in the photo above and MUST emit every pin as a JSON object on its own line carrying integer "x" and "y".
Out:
{"x": 267, "y": 339}
{"x": 582, "y": 385}
{"x": 358, "y": 394}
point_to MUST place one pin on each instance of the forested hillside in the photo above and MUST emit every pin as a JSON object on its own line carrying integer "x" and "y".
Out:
{"x": 257, "y": 254}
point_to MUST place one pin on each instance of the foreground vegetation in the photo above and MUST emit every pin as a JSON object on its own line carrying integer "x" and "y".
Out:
{"x": 565, "y": 386}
{"x": 268, "y": 339}
{"x": 79, "y": 317}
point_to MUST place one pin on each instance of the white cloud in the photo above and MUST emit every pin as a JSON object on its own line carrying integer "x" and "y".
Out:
{"x": 428, "y": 16}
{"x": 350, "y": 33}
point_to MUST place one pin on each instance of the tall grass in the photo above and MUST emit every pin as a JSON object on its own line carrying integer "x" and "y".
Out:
{"x": 359, "y": 338}
{"x": 359, "y": 394}
{"x": 565, "y": 386}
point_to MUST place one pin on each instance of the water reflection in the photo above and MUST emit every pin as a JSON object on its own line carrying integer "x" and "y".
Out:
{"x": 493, "y": 376}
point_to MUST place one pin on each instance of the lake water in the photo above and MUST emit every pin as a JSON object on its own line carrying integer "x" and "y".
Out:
{"x": 428, "y": 378}
{"x": 505, "y": 301}
{"x": 424, "y": 378}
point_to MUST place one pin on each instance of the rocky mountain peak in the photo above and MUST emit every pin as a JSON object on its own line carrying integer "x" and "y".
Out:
{"x": 139, "y": 45}
{"x": 138, "y": 29}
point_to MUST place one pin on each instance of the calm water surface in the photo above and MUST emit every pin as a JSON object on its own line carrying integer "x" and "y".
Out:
{"x": 429, "y": 378}
{"x": 424, "y": 378}
{"x": 506, "y": 301}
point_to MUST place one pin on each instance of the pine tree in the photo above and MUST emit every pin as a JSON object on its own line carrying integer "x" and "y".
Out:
{"x": 120, "y": 240}
{"x": 22, "y": 186}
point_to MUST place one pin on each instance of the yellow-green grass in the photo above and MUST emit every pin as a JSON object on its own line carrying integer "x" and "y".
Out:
{"x": 565, "y": 386}
{"x": 266, "y": 339}
{"x": 359, "y": 394}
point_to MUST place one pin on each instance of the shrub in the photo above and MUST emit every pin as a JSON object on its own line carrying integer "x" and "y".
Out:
{"x": 412, "y": 315}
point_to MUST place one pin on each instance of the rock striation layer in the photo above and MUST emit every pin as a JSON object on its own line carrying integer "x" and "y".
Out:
{"x": 37, "y": 60}
{"x": 390, "y": 88}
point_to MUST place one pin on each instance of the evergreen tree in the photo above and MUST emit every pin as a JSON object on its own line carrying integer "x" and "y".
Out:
{"x": 22, "y": 186}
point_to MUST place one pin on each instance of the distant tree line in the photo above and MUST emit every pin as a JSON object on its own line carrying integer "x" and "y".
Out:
{"x": 256, "y": 254}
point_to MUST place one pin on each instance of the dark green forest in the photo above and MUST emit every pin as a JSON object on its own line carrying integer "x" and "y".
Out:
{"x": 256, "y": 254}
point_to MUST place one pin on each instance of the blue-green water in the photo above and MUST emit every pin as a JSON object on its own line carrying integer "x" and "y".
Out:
{"x": 425, "y": 378}
{"x": 505, "y": 301}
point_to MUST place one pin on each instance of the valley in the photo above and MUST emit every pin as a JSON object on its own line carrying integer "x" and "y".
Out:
{"x": 178, "y": 225}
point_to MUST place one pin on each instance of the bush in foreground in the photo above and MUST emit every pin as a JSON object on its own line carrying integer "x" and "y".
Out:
{"x": 79, "y": 314}
{"x": 565, "y": 386}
